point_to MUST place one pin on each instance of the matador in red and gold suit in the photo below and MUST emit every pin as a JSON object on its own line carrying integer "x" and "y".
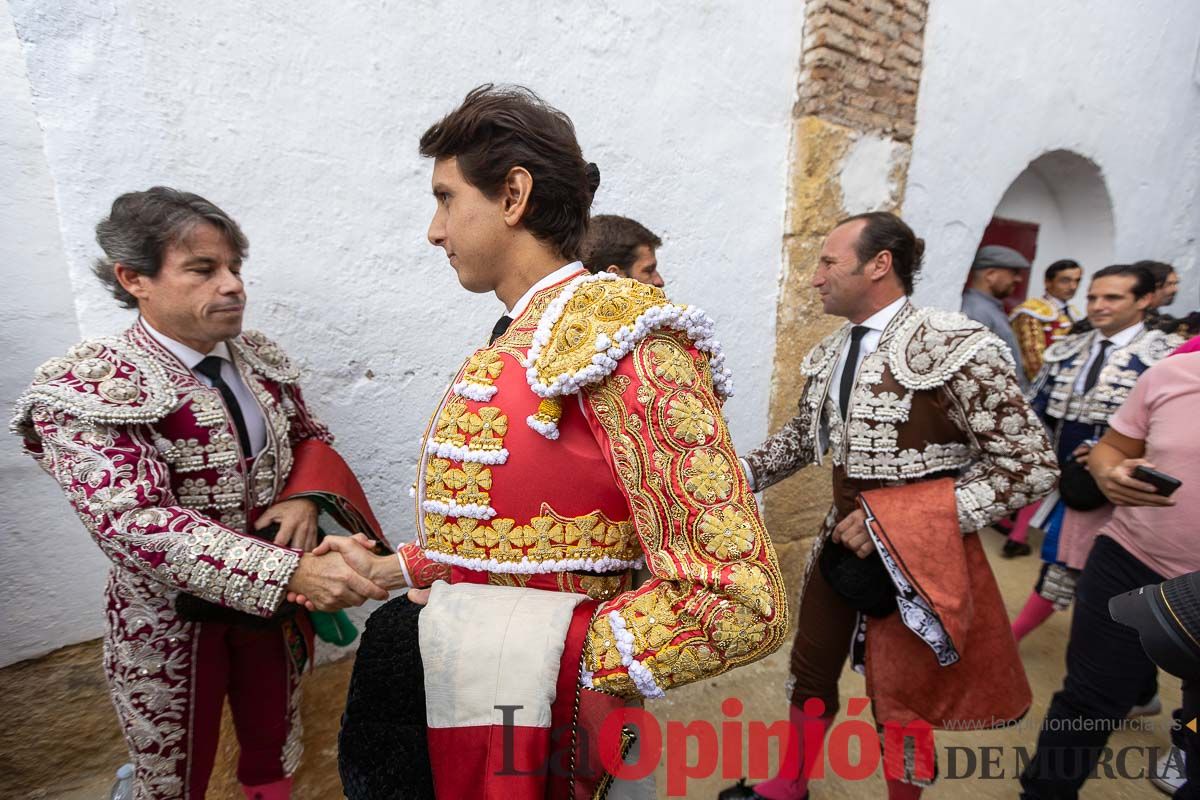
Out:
{"x": 150, "y": 458}
{"x": 585, "y": 442}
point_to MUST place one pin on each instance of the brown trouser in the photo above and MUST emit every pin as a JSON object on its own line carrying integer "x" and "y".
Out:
{"x": 824, "y": 629}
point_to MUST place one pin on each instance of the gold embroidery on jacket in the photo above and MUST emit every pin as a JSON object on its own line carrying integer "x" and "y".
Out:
{"x": 547, "y": 537}
{"x": 717, "y": 599}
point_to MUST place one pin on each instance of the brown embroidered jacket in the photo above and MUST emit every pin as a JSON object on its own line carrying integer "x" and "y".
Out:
{"x": 939, "y": 397}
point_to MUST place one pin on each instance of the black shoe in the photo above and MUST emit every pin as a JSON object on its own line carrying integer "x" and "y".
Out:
{"x": 743, "y": 792}
{"x": 1012, "y": 549}
{"x": 739, "y": 792}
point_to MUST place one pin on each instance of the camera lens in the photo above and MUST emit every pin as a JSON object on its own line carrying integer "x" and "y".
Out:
{"x": 1167, "y": 619}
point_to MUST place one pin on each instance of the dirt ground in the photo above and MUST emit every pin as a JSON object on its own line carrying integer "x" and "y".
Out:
{"x": 760, "y": 688}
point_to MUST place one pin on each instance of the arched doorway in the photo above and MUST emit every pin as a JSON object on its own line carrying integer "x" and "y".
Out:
{"x": 1058, "y": 207}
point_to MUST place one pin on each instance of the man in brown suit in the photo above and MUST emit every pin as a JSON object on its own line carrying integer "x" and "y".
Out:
{"x": 896, "y": 396}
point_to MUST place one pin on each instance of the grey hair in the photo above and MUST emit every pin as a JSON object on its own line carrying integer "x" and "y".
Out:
{"x": 141, "y": 225}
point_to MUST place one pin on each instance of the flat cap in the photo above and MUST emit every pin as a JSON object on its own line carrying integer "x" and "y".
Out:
{"x": 997, "y": 255}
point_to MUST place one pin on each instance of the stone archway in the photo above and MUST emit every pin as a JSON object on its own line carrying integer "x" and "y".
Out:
{"x": 1065, "y": 194}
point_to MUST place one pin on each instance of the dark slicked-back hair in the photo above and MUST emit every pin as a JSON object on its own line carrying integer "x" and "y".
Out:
{"x": 1143, "y": 279}
{"x": 498, "y": 128}
{"x": 1062, "y": 265}
{"x": 142, "y": 225}
{"x": 614, "y": 240}
{"x": 1160, "y": 270}
{"x": 886, "y": 231}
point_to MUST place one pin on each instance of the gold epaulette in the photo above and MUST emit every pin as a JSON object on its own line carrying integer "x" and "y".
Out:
{"x": 598, "y": 320}
{"x": 1037, "y": 308}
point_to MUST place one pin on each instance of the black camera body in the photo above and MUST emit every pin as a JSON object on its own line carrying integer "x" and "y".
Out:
{"x": 1167, "y": 619}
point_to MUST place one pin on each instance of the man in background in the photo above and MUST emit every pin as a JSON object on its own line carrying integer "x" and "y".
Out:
{"x": 1041, "y": 321}
{"x": 1166, "y": 282}
{"x": 623, "y": 247}
{"x": 994, "y": 276}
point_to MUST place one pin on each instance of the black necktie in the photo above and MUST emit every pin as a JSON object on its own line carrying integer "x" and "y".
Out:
{"x": 210, "y": 368}
{"x": 851, "y": 367}
{"x": 1097, "y": 365}
{"x": 500, "y": 327}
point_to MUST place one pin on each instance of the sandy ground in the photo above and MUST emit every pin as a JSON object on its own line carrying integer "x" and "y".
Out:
{"x": 1043, "y": 653}
{"x": 759, "y": 687}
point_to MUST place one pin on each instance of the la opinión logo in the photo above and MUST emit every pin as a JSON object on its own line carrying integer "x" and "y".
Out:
{"x": 852, "y": 750}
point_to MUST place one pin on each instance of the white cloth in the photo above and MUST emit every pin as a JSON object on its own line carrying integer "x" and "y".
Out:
{"x": 252, "y": 415}
{"x": 484, "y": 647}
{"x": 559, "y": 275}
{"x": 1119, "y": 340}
{"x": 875, "y": 325}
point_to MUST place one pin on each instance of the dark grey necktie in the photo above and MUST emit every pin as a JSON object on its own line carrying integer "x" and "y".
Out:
{"x": 210, "y": 368}
{"x": 500, "y": 327}
{"x": 1097, "y": 365}
{"x": 851, "y": 367}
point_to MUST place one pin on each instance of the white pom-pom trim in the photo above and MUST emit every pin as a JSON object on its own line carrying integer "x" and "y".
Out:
{"x": 453, "y": 509}
{"x": 547, "y": 429}
{"x": 639, "y": 672}
{"x": 456, "y": 452}
{"x": 527, "y": 567}
{"x": 474, "y": 391}
{"x": 698, "y": 326}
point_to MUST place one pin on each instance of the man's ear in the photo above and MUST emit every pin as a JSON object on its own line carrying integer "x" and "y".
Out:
{"x": 1145, "y": 301}
{"x": 615, "y": 270}
{"x": 132, "y": 281}
{"x": 881, "y": 265}
{"x": 518, "y": 189}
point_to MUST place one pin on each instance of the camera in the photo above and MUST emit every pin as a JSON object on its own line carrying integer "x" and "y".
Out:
{"x": 1167, "y": 618}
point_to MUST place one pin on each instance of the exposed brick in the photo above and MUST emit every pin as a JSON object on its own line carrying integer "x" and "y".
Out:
{"x": 861, "y": 63}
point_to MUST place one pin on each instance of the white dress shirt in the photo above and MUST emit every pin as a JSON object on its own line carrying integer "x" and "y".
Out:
{"x": 559, "y": 275}
{"x": 875, "y": 325}
{"x": 1064, "y": 306}
{"x": 1119, "y": 339}
{"x": 256, "y": 424}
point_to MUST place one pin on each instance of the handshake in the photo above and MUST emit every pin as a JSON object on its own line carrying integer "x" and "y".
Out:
{"x": 346, "y": 571}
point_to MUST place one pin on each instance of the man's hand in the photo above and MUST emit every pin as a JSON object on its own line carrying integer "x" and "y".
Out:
{"x": 297, "y": 520}
{"x": 359, "y": 552}
{"x": 1081, "y": 453}
{"x": 852, "y": 534}
{"x": 327, "y": 583}
{"x": 1122, "y": 489}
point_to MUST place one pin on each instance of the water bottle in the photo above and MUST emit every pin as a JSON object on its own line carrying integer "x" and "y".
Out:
{"x": 123, "y": 788}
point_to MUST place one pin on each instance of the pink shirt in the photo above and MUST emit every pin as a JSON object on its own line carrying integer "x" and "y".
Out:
{"x": 1192, "y": 345}
{"x": 1162, "y": 410}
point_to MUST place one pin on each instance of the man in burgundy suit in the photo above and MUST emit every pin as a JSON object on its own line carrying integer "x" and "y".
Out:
{"x": 187, "y": 450}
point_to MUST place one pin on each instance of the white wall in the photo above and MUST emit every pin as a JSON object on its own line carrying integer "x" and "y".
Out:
{"x": 50, "y": 573}
{"x": 302, "y": 122}
{"x": 1008, "y": 80}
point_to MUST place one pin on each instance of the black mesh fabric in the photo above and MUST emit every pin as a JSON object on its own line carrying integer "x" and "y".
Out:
{"x": 383, "y": 753}
{"x": 1183, "y": 598}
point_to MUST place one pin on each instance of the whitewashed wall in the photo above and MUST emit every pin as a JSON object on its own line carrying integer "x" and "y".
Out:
{"x": 1008, "y": 80}
{"x": 302, "y": 121}
{"x": 50, "y": 574}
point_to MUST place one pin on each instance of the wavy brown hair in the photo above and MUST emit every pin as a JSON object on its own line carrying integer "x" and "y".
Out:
{"x": 498, "y": 128}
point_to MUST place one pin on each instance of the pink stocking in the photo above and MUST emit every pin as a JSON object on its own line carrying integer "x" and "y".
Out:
{"x": 804, "y": 749}
{"x": 1036, "y": 611}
